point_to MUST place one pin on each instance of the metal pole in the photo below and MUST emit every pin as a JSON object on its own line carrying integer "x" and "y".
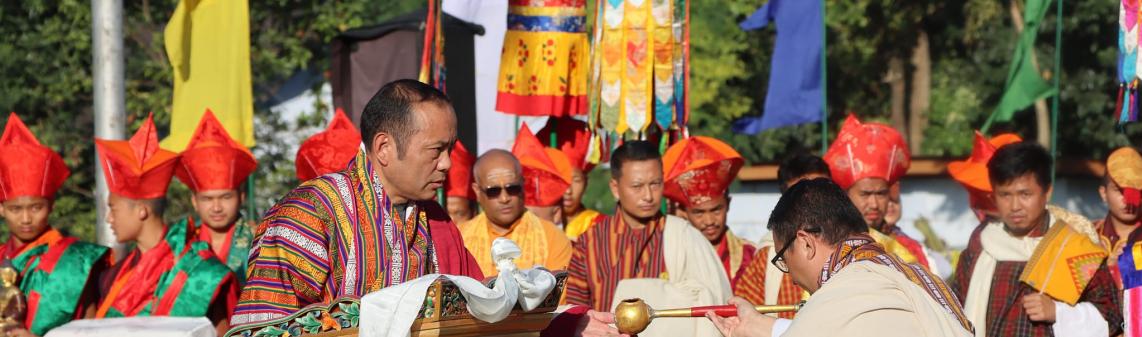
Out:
{"x": 110, "y": 106}
{"x": 251, "y": 199}
{"x": 1055, "y": 78}
{"x": 824, "y": 83}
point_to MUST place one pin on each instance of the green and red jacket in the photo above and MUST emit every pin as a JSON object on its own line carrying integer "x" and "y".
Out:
{"x": 57, "y": 276}
{"x": 237, "y": 246}
{"x": 178, "y": 277}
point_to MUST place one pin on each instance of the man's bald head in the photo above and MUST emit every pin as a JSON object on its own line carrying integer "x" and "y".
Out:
{"x": 495, "y": 162}
{"x": 499, "y": 187}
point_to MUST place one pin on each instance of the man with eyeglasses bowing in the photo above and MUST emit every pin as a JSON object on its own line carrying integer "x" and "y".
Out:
{"x": 859, "y": 288}
{"x": 500, "y": 192}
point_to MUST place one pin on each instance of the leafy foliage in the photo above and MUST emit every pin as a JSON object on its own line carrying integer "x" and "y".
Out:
{"x": 46, "y": 55}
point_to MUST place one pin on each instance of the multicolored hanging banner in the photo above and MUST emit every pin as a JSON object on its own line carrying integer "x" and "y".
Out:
{"x": 543, "y": 66}
{"x": 1126, "y": 104}
{"x": 639, "y": 67}
{"x": 432, "y": 55}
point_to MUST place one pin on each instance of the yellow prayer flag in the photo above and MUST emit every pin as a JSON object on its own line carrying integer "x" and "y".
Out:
{"x": 208, "y": 44}
{"x": 1063, "y": 263}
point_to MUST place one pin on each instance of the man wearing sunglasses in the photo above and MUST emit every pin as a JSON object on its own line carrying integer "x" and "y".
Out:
{"x": 641, "y": 253}
{"x": 500, "y": 193}
{"x": 858, "y": 288}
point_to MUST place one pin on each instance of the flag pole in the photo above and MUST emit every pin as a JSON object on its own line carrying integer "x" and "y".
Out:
{"x": 1055, "y": 78}
{"x": 107, "y": 70}
{"x": 824, "y": 82}
{"x": 251, "y": 200}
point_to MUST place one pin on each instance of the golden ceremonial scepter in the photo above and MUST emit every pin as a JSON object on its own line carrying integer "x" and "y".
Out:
{"x": 633, "y": 315}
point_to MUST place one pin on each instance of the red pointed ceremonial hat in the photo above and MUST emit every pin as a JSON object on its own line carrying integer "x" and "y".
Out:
{"x": 137, "y": 168}
{"x": 213, "y": 160}
{"x": 867, "y": 150}
{"x": 572, "y": 137}
{"x": 972, "y": 172}
{"x": 546, "y": 171}
{"x": 26, "y": 167}
{"x": 460, "y": 174}
{"x": 1125, "y": 168}
{"x": 698, "y": 169}
{"x": 330, "y": 150}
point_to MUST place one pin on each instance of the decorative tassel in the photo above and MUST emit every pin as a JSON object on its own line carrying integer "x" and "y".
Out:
{"x": 1125, "y": 111}
{"x": 1118, "y": 99}
{"x": 1134, "y": 106}
{"x": 1133, "y": 111}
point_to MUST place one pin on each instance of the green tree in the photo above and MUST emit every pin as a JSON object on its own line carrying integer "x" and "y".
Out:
{"x": 45, "y": 59}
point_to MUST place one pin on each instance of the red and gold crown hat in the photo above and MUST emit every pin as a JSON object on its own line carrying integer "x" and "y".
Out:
{"x": 698, "y": 169}
{"x": 546, "y": 171}
{"x": 867, "y": 150}
{"x": 1125, "y": 168}
{"x": 572, "y": 137}
{"x": 330, "y": 150}
{"x": 137, "y": 168}
{"x": 972, "y": 172}
{"x": 459, "y": 183}
{"x": 26, "y": 167}
{"x": 213, "y": 160}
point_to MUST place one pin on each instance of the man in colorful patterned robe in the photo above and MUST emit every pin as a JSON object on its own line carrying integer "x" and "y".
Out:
{"x": 574, "y": 139}
{"x": 640, "y": 252}
{"x": 373, "y": 225}
{"x": 859, "y": 288}
{"x": 215, "y": 167}
{"x": 1121, "y": 231}
{"x": 866, "y": 160}
{"x": 762, "y": 282}
{"x": 699, "y": 171}
{"x": 168, "y": 272}
{"x": 500, "y": 191}
{"x": 57, "y": 274}
{"x": 1039, "y": 270}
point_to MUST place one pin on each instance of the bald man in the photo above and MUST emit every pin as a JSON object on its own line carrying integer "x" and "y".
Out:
{"x": 500, "y": 193}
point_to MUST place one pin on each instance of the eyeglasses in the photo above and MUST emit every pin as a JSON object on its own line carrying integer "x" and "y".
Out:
{"x": 779, "y": 258}
{"x": 514, "y": 190}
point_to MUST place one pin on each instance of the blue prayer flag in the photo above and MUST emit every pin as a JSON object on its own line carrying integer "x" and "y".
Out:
{"x": 794, "y": 95}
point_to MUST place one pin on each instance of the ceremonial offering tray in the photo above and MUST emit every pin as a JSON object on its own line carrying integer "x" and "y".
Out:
{"x": 444, "y": 313}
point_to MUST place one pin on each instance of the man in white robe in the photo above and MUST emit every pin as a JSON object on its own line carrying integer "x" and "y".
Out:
{"x": 858, "y": 288}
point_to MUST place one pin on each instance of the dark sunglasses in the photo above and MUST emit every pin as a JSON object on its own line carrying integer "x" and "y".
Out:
{"x": 779, "y": 258}
{"x": 514, "y": 190}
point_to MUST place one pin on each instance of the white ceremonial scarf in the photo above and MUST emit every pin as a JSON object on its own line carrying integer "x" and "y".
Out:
{"x": 390, "y": 312}
{"x": 773, "y": 276}
{"x": 866, "y": 299}
{"x": 998, "y": 245}
{"x": 691, "y": 264}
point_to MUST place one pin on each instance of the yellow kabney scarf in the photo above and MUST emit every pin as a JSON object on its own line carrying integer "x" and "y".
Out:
{"x": 892, "y": 246}
{"x": 527, "y": 233}
{"x": 1067, "y": 258}
{"x": 579, "y": 224}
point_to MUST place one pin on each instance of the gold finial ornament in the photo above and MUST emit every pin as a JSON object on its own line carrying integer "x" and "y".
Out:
{"x": 632, "y": 316}
{"x": 13, "y": 305}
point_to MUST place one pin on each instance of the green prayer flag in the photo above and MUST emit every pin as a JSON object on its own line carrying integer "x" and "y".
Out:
{"x": 1024, "y": 84}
